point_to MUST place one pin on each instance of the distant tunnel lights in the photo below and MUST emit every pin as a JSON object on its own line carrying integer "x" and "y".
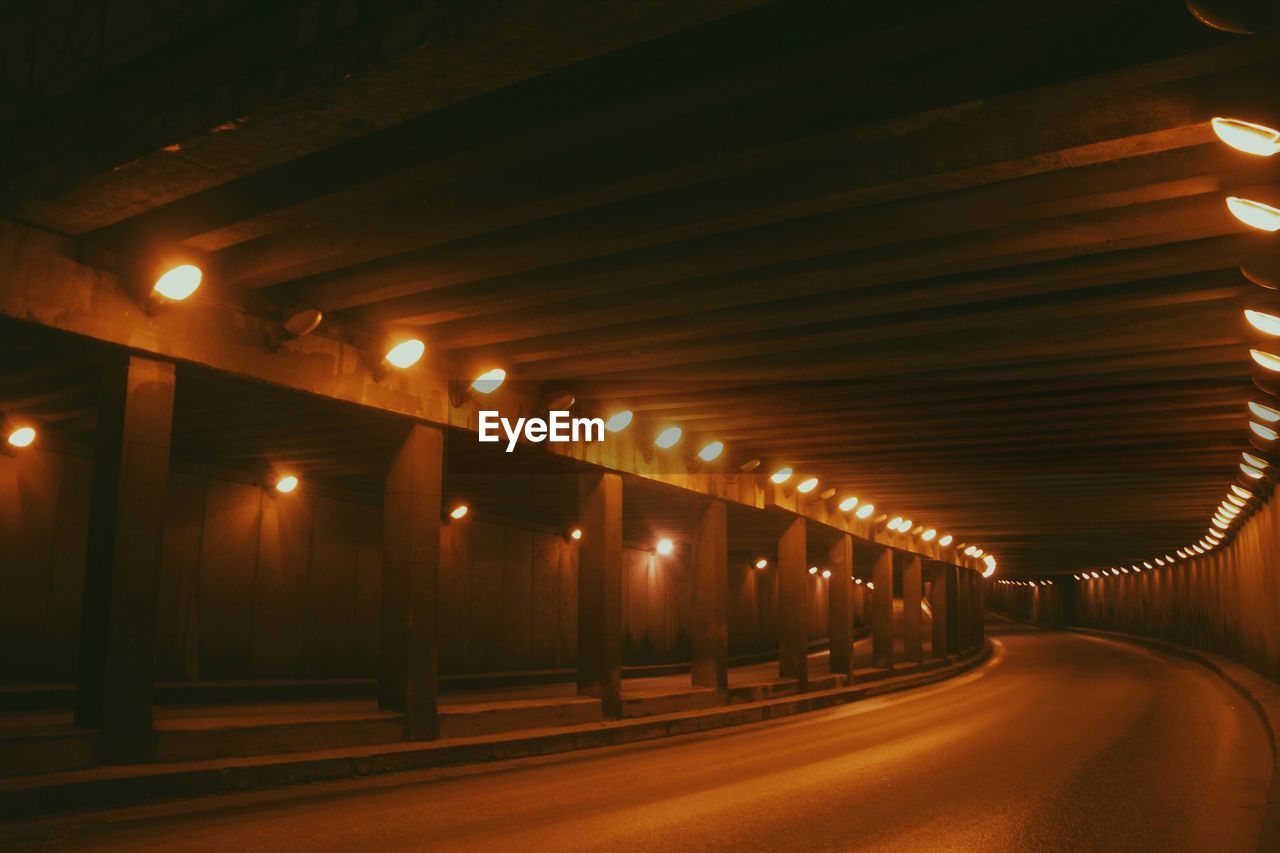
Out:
{"x": 848, "y": 504}
{"x": 405, "y": 354}
{"x": 762, "y": 563}
{"x": 489, "y": 381}
{"x": 946, "y": 540}
{"x": 1268, "y": 324}
{"x": 1264, "y": 413}
{"x": 665, "y": 547}
{"x": 460, "y": 511}
{"x": 1255, "y": 214}
{"x": 929, "y": 535}
{"x": 865, "y": 511}
{"x": 178, "y": 283}
{"x": 619, "y": 421}
{"x": 286, "y": 484}
{"x": 806, "y": 486}
{"x": 1265, "y": 433}
{"x": 711, "y": 452}
{"x": 781, "y": 475}
{"x": 1247, "y": 137}
{"x": 668, "y": 438}
{"x": 1241, "y": 492}
{"x": 1266, "y": 360}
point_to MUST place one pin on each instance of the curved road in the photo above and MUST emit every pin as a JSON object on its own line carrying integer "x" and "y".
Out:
{"x": 1061, "y": 742}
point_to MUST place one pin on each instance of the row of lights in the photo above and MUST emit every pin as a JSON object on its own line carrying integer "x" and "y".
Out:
{"x": 1025, "y": 583}
{"x": 1262, "y": 141}
{"x": 180, "y": 282}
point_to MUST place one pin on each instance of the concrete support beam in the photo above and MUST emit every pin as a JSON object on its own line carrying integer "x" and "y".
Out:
{"x": 710, "y": 640}
{"x": 410, "y": 579}
{"x": 912, "y": 621}
{"x": 882, "y": 609}
{"x": 793, "y": 604}
{"x": 953, "y": 609}
{"x": 940, "y": 582}
{"x": 126, "y": 519}
{"x": 964, "y": 607}
{"x": 600, "y": 590}
{"x": 840, "y": 605}
{"x": 979, "y": 608}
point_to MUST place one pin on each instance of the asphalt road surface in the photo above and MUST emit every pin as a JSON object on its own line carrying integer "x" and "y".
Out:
{"x": 1061, "y": 742}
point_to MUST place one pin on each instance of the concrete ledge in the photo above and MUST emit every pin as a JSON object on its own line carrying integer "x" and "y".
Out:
{"x": 29, "y": 796}
{"x": 1261, "y": 693}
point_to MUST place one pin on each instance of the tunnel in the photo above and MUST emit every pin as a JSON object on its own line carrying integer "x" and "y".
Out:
{"x": 700, "y": 425}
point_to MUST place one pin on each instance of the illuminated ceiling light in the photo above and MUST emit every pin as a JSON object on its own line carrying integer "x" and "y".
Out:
{"x": 1255, "y": 461}
{"x": 1250, "y": 472}
{"x": 286, "y": 484}
{"x": 905, "y": 526}
{"x": 1268, "y": 324}
{"x": 668, "y": 438}
{"x": 848, "y": 504}
{"x": 781, "y": 475}
{"x": 977, "y": 552}
{"x": 807, "y": 486}
{"x": 896, "y": 523}
{"x": 1236, "y": 502}
{"x": 826, "y": 574}
{"x": 1263, "y": 432}
{"x": 489, "y": 381}
{"x": 665, "y": 547}
{"x": 178, "y": 283}
{"x": 619, "y": 421}
{"x": 1197, "y": 549}
{"x": 946, "y": 540}
{"x": 1219, "y": 523}
{"x": 23, "y": 436}
{"x": 762, "y": 563}
{"x": 1181, "y": 554}
{"x": 1159, "y": 562}
{"x": 1126, "y": 571}
{"x": 865, "y": 510}
{"x": 575, "y": 534}
{"x": 1255, "y": 214}
{"x": 1241, "y": 492}
{"x": 711, "y": 451}
{"x": 991, "y": 570}
{"x": 1229, "y": 508}
{"x": 1266, "y": 360}
{"x": 1095, "y": 575}
{"x": 857, "y": 581}
{"x": 929, "y": 534}
{"x": 405, "y": 354}
{"x": 871, "y": 585}
{"x": 1247, "y": 137}
{"x": 460, "y": 511}
{"x": 1264, "y": 413}
{"x": 813, "y": 570}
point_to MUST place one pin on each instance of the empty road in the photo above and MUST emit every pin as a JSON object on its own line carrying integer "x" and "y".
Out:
{"x": 1061, "y": 742}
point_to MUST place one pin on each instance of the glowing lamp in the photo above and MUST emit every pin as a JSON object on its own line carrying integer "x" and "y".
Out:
{"x": 762, "y": 563}
{"x": 806, "y": 486}
{"x": 781, "y": 475}
{"x": 1254, "y": 461}
{"x": 865, "y": 511}
{"x": 813, "y": 570}
{"x": 1235, "y": 501}
{"x": 619, "y": 421}
{"x": 871, "y": 585}
{"x": 1263, "y": 321}
{"x": 946, "y": 540}
{"x": 405, "y": 354}
{"x": 665, "y": 547}
{"x": 826, "y": 574}
{"x": 896, "y": 523}
{"x": 1264, "y": 413}
{"x": 178, "y": 283}
{"x": 286, "y": 484}
{"x": 1265, "y": 433}
{"x": 1241, "y": 492}
{"x": 668, "y": 438}
{"x": 1255, "y": 214}
{"x": 22, "y": 437}
{"x": 489, "y": 381}
{"x": 848, "y": 503}
{"x": 1247, "y": 137}
{"x": 929, "y": 535}
{"x": 711, "y": 451}
{"x": 460, "y": 511}
{"x": 575, "y": 534}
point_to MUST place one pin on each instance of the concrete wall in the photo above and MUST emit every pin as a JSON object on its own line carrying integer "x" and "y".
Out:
{"x": 252, "y": 586}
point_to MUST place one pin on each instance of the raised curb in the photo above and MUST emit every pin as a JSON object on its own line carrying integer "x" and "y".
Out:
{"x": 1261, "y": 693}
{"x": 32, "y": 796}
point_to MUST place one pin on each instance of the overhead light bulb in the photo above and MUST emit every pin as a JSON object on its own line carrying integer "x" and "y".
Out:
{"x": 665, "y": 547}
{"x": 865, "y": 510}
{"x": 711, "y": 451}
{"x": 286, "y": 484}
{"x": 576, "y": 534}
{"x": 1246, "y": 136}
{"x": 1265, "y": 359}
{"x": 406, "y": 353}
{"x": 1235, "y": 501}
{"x": 813, "y": 570}
{"x": 826, "y": 574}
{"x": 460, "y": 511}
{"x": 1254, "y": 461}
{"x": 946, "y": 540}
{"x": 848, "y": 503}
{"x": 1255, "y": 214}
{"x": 762, "y": 563}
{"x": 489, "y": 381}
{"x": 781, "y": 475}
{"x": 806, "y": 486}
{"x": 1264, "y": 413}
{"x": 179, "y": 282}
{"x": 1241, "y": 492}
{"x": 1265, "y": 433}
{"x": 929, "y": 535}
{"x": 1268, "y": 324}
{"x": 668, "y": 438}
{"x": 619, "y": 421}
{"x": 897, "y": 521}
{"x": 23, "y": 436}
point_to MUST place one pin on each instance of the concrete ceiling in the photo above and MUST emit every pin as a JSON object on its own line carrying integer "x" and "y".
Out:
{"x": 970, "y": 261}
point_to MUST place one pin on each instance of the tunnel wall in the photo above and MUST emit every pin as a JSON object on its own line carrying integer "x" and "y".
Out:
{"x": 252, "y": 586}
{"x": 1226, "y": 602}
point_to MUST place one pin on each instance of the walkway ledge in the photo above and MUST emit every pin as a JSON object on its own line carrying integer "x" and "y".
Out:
{"x": 98, "y": 787}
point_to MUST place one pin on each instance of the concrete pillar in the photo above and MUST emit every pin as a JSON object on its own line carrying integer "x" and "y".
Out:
{"x": 710, "y": 639}
{"x": 840, "y": 604}
{"x": 793, "y": 604}
{"x": 912, "y": 623}
{"x": 882, "y": 610}
{"x": 407, "y": 679}
{"x": 980, "y": 608}
{"x": 953, "y": 609}
{"x": 940, "y": 582}
{"x": 965, "y": 610}
{"x": 600, "y": 590}
{"x": 126, "y": 520}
